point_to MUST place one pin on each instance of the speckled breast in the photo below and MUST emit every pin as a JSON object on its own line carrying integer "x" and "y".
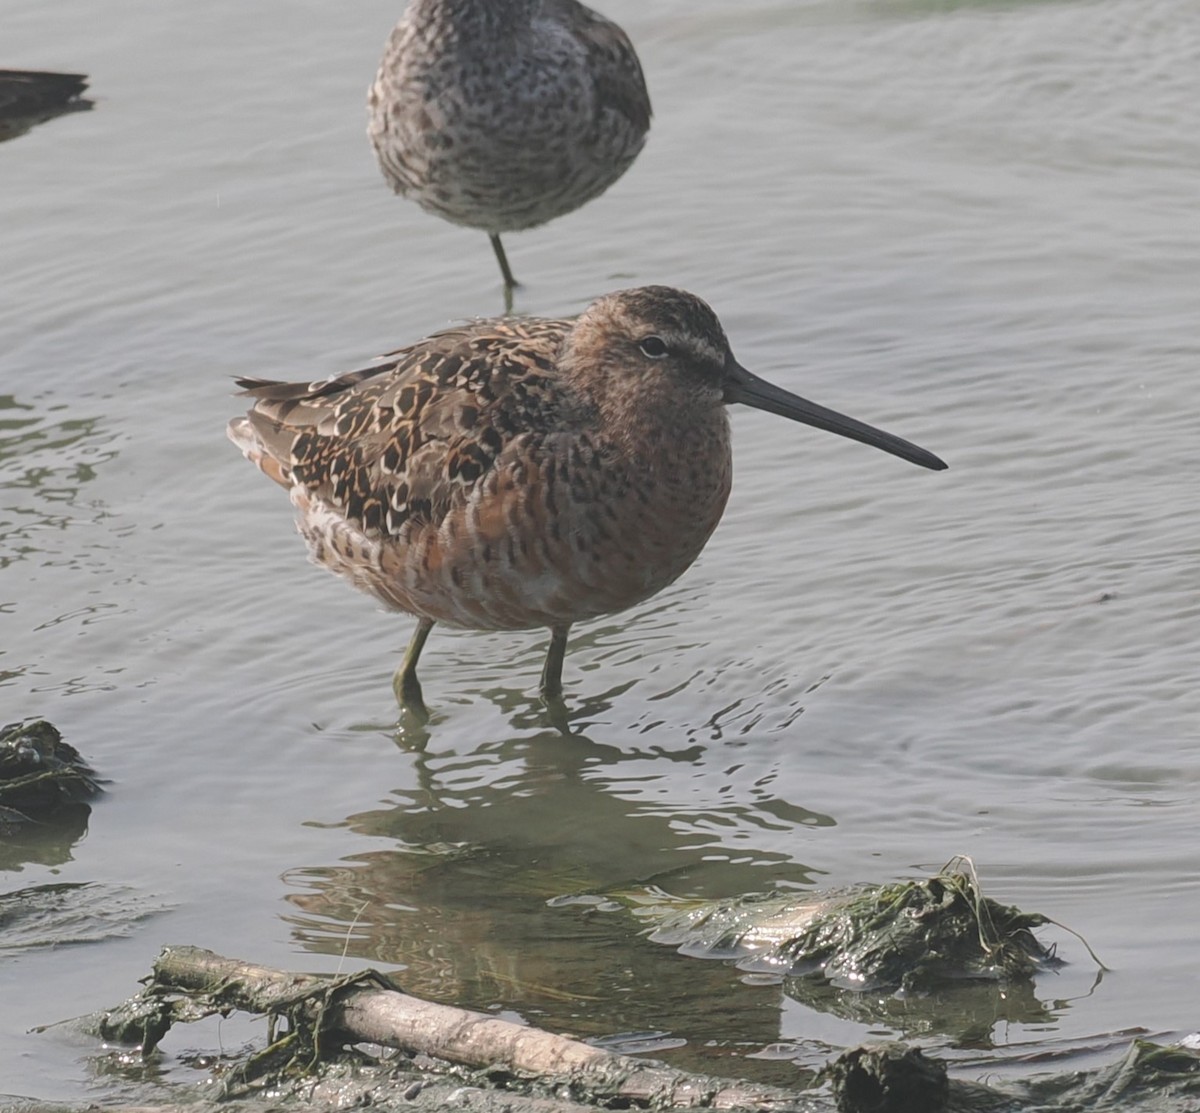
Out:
{"x": 497, "y": 142}
{"x": 555, "y": 534}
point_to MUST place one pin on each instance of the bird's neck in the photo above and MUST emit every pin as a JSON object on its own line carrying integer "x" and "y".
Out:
{"x": 657, "y": 432}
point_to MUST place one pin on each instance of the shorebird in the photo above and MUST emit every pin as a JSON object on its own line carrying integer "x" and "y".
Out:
{"x": 29, "y": 97}
{"x": 517, "y": 473}
{"x": 504, "y": 114}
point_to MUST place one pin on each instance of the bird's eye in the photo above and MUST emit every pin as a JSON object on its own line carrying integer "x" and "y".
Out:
{"x": 653, "y": 346}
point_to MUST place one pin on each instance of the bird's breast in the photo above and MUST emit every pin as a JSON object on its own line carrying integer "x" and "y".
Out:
{"x": 559, "y": 531}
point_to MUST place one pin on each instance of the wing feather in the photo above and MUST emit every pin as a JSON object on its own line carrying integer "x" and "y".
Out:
{"x": 612, "y": 63}
{"x": 406, "y": 440}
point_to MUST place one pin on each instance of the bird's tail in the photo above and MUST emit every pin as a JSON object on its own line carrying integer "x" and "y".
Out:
{"x": 241, "y": 432}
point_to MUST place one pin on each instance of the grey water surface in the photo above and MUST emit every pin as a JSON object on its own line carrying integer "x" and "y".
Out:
{"x": 974, "y": 224}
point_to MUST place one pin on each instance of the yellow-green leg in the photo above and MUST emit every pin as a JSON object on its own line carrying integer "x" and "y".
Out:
{"x": 502, "y": 259}
{"x": 405, "y": 683}
{"x": 552, "y": 670}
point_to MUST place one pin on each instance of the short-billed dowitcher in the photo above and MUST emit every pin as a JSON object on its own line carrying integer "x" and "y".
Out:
{"x": 504, "y": 114}
{"x": 513, "y": 473}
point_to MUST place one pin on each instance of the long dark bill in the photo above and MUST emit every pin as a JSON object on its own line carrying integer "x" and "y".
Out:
{"x": 750, "y": 390}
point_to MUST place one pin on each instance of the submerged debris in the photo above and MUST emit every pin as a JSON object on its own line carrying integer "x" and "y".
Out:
{"x": 911, "y": 936}
{"x": 66, "y": 913}
{"x": 888, "y": 1078}
{"x": 896, "y": 1078}
{"x": 317, "y": 1021}
{"x": 1151, "y": 1077}
{"x": 332, "y": 1055}
{"x": 41, "y": 776}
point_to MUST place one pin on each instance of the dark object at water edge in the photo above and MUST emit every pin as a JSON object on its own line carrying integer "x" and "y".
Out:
{"x": 31, "y": 97}
{"x": 40, "y": 775}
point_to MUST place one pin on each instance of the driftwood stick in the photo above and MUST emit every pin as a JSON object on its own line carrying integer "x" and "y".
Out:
{"x": 379, "y": 1014}
{"x": 459, "y": 1035}
{"x": 243, "y": 985}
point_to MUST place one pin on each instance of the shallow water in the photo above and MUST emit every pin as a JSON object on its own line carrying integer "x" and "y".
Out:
{"x": 971, "y": 223}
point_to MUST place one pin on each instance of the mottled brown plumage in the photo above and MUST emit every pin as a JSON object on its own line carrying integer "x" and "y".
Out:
{"x": 504, "y": 114}
{"x": 517, "y": 473}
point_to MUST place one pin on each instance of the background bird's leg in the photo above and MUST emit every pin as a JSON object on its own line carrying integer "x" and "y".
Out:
{"x": 405, "y": 683}
{"x": 505, "y": 269}
{"x": 552, "y": 670}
